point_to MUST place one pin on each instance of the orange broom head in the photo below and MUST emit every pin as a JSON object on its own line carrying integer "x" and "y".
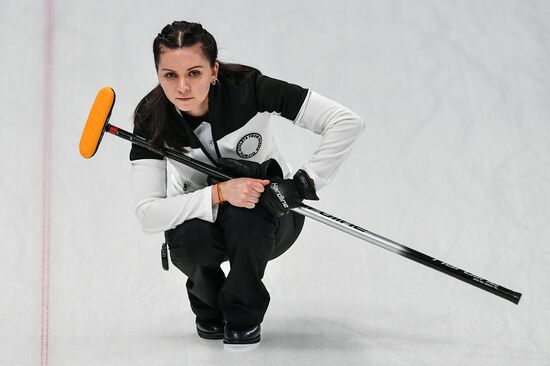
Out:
{"x": 97, "y": 119}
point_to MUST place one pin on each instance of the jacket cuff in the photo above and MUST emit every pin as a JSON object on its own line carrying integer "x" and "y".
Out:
{"x": 209, "y": 212}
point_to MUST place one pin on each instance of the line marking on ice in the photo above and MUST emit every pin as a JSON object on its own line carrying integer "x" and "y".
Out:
{"x": 46, "y": 178}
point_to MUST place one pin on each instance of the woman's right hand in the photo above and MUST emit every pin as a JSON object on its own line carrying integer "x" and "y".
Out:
{"x": 241, "y": 192}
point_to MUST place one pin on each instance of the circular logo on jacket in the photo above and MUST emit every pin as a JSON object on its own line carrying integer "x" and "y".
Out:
{"x": 249, "y": 145}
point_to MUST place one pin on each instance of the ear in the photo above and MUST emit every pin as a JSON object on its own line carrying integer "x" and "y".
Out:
{"x": 215, "y": 70}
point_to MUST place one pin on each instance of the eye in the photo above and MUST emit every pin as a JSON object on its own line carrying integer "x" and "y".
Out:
{"x": 170, "y": 75}
{"x": 194, "y": 73}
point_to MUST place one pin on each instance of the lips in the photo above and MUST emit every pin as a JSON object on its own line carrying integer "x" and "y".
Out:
{"x": 185, "y": 99}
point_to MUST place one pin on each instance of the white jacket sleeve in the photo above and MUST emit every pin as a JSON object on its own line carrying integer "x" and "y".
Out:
{"x": 155, "y": 211}
{"x": 339, "y": 127}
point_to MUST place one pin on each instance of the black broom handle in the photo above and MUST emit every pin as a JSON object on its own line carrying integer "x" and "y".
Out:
{"x": 336, "y": 223}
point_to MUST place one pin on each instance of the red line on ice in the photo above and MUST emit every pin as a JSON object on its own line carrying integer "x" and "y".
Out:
{"x": 46, "y": 180}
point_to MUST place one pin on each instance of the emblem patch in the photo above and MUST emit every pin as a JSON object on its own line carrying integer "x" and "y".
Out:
{"x": 249, "y": 145}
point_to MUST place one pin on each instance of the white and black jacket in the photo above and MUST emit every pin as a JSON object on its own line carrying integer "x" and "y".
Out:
{"x": 238, "y": 127}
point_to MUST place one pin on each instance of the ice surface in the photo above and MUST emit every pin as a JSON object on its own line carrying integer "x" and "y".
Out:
{"x": 455, "y": 162}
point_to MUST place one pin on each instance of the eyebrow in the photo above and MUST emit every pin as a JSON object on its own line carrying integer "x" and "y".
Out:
{"x": 194, "y": 67}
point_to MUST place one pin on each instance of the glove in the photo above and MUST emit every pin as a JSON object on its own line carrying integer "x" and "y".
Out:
{"x": 246, "y": 168}
{"x": 283, "y": 194}
{"x": 305, "y": 185}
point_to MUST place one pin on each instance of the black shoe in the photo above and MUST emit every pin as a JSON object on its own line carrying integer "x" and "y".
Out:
{"x": 210, "y": 328}
{"x": 241, "y": 335}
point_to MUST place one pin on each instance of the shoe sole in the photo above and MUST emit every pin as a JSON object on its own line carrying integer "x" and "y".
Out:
{"x": 241, "y": 347}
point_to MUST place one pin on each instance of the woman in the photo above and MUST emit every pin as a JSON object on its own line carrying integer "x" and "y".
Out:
{"x": 219, "y": 113}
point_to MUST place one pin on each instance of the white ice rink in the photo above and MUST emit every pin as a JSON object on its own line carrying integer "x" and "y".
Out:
{"x": 455, "y": 163}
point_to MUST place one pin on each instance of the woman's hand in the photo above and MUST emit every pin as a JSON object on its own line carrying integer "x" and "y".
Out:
{"x": 240, "y": 192}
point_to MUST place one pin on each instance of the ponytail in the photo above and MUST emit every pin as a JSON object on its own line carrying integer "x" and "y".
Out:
{"x": 151, "y": 114}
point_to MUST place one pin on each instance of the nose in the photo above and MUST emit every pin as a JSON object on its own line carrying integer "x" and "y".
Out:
{"x": 183, "y": 87}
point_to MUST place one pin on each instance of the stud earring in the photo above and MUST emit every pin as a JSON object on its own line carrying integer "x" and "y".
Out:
{"x": 214, "y": 82}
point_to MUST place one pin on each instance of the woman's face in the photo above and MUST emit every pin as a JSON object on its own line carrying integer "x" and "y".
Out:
{"x": 185, "y": 76}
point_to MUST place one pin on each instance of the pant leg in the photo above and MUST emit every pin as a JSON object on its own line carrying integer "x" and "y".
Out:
{"x": 252, "y": 238}
{"x": 289, "y": 228}
{"x": 197, "y": 249}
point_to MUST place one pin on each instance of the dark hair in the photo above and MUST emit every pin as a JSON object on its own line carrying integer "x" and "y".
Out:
{"x": 151, "y": 113}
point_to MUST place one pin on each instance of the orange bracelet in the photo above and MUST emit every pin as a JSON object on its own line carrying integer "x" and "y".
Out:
{"x": 219, "y": 191}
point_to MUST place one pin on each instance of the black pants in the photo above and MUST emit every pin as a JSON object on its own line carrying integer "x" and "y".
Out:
{"x": 248, "y": 238}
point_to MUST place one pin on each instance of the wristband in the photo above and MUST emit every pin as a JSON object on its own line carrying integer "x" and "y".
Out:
{"x": 220, "y": 195}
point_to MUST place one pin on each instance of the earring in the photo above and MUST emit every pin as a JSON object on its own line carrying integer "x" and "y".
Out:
{"x": 215, "y": 81}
